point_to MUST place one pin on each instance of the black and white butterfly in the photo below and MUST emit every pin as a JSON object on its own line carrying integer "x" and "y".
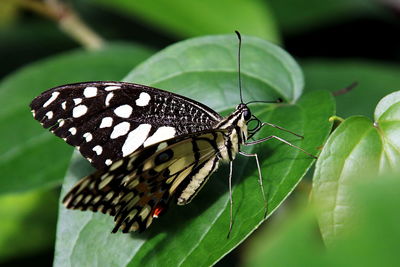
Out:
{"x": 148, "y": 145}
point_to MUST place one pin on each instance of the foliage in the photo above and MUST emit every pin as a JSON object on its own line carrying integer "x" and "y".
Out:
{"x": 357, "y": 149}
{"x": 370, "y": 241}
{"x": 354, "y": 184}
{"x": 210, "y": 77}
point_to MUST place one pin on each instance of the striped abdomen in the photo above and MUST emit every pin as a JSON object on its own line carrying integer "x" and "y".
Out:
{"x": 226, "y": 145}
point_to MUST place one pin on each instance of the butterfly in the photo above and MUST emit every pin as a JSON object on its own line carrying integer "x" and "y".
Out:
{"x": 148, "y": 145}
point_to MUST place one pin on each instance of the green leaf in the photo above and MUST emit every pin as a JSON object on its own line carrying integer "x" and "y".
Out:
{"x": 25, "y": 42}
{"x": 33, "y": 211}
{"x": 205, "y": 69}
{"x": 358, "y": 148}
{"x": 372, "y": 241}
{"x": 268, "y": 72}
{"x": 387, "y": 107}
{"x": 29, "y": 155}
{"x": 375, "y": 80}
{"x": 194, "y": 18}
{"x": 293, "y": 242}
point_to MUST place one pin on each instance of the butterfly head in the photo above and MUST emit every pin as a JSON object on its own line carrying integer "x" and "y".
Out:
{"x": 244, "y": 111}
{"x": 249, "y": 121}
{"x": 240, "y": 118}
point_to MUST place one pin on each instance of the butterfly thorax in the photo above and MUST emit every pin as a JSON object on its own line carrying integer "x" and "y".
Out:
{"x": 236, "y": 135}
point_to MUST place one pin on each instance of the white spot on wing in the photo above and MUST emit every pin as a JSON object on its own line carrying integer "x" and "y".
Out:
{"x": 64, "y": 104}
{"x": 49, "y": 115}
{"x": 106, "y": 122}
{"x": 108, "y": 162}
{"x": 161, "y": 146}
{"x": 98, "y": 149}
{"x": 162, "y": 133}
{"x": 61, "y": 122}
{"x": 123, "y": 111}
{"x": 90, "y": 91}
{"x": 88, "y": 137}
{"x": 53, "y": 97}
{"x": 108, "y": 98}
{"x": 143, "y": 100}
{"x": 79, "y": 111}
{"x": 77, "y": 101}
{"x": 135, "y": 139}
{"x": 120, "y": 129}
{"x": 72, "y": 130}
{"x": 112, "y": 87}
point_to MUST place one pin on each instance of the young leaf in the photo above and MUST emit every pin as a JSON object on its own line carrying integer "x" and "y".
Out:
{"x": 205, "y": 69}
{"x": 358, "y": 148}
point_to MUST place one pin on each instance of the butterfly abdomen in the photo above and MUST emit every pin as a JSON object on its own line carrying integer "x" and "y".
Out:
{"x": 226, "y": 144}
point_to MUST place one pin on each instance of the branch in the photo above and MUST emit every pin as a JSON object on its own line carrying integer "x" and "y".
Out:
{"x": 67, "y": 19}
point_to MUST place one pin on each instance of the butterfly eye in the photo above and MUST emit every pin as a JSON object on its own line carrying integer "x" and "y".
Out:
{"x": 247, "y": 114}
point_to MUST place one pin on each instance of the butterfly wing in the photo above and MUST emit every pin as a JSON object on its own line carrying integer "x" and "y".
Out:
{"x": 136, "y": 188}
{"x": 107, "y": 121}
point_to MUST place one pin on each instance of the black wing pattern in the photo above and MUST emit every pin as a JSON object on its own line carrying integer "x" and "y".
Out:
{"x": 107, "y": 121}
{"x": 136, "y": 188}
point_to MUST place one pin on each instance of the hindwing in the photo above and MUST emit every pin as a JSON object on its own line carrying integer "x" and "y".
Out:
{"x": 138, "y": 187}
{"x": 107, "y": 121}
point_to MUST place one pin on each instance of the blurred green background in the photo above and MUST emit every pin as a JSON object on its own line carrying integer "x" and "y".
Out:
{"x": 336, "y": 43}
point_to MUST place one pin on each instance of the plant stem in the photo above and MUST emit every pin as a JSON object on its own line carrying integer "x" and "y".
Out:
{"x": 68, "y": 20}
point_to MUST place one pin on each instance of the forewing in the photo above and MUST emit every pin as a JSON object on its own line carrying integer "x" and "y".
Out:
{"x": 136, "y": 188}
{"x": 110, "y": 120}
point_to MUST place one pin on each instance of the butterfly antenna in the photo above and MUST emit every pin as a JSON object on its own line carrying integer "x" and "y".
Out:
{"x": 279, "y": 100}
{"x": 240, "y": 76}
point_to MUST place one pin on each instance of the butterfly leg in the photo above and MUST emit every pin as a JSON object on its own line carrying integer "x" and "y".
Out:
{"x": 260, "y": 179}
{"x": 280, "y": 139}
{"x": 281, "y": 128}
{"x": 230, "y": 198}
